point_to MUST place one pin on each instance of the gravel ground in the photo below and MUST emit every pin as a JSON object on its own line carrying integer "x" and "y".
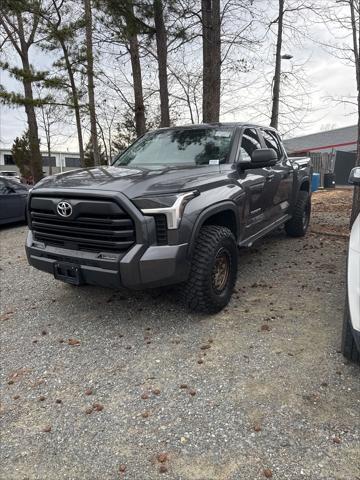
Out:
{"x": 98, "y": 385}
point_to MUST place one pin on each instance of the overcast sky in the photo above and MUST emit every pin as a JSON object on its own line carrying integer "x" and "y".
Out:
{"x": 327, "y": 78}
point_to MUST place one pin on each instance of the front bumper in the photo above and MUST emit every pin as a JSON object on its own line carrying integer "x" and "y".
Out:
{"x": 139, "y": 268}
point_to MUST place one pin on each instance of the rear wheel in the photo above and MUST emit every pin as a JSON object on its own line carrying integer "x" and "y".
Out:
{"x": 348, "y": 346}
{"x": 213, "y": 271}
{"x": 299, "y": 223}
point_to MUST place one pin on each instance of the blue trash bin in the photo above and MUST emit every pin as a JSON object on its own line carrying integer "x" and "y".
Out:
{"x": 315, "y": 182}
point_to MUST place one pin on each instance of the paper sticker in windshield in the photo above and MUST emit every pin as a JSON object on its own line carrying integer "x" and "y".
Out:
{"x": 223, "y": 133}
{"x": 214, "y": 162}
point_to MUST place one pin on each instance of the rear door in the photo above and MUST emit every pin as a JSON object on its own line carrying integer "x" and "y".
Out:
{"x": 12, "y": 200}
{"x": 257, "y": 184}
{"x": 283, "y": 172}
{"x": 4, "y": 204}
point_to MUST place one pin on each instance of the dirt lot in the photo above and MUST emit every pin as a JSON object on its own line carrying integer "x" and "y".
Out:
{"x": 104, "y": 385}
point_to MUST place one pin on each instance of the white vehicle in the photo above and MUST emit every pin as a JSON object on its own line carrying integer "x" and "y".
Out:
{"x": 351, "y": 327}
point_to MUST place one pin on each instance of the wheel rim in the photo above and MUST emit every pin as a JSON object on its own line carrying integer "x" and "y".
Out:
{"x": 221, "y": 270}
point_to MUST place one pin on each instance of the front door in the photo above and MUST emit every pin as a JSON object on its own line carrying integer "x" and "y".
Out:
{"x": 258, "y": 184}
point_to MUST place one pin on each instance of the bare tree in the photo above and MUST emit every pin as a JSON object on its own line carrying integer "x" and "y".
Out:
{"x": 90, "y": 78}
{"x": 210, "y": 13}
{"x": 161, "y": 48}
{"x": 137, "y": 77}
{"x": 123, "y": 26}
{"x": 354, "y": 6}
{"x": 47, "y": 120}
{"x": 61, "y": 34}
{"x": 276, "y": 87}
{"x": 345, "y": 16}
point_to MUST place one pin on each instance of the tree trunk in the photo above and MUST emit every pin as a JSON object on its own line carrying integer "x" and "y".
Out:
{"x": 75, "y": 99}
{"x": 276, "y": 87}
{"x": 137, "y": 85}
{"x": 356, "y": 44}
{"x": 210, "y": 10}
{"x": 36, "y": 159}
{"x": 161, "y": 48}
{"x": 48, "y": 141}
{"x": 90, "y": 77}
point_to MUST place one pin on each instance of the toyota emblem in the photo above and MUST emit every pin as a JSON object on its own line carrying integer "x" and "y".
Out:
{"x": 64, "y": 209}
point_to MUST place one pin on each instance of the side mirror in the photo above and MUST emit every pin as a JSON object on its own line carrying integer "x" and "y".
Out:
{"x": 354, "y": 177}
{"x": 264, "y": 157}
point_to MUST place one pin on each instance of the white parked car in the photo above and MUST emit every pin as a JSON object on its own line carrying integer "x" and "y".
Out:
{"x": 351, "y": 327}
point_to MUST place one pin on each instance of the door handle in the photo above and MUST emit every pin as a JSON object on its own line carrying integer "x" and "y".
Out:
{"x": 269, "y": 177}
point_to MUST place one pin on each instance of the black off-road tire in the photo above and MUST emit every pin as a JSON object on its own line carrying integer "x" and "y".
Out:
{"x": 298, "y": 224}
{"x": 199, "y": 293}
{"x": 348, "y": 345}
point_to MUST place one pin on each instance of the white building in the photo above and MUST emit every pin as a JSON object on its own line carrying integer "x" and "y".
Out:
{"x": 59, "y": 161}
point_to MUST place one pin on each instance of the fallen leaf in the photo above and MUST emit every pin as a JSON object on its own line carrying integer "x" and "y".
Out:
{"x": 47, "y": 428}
{"x": 257, "y": 427}
{"x": 267, "y": 473}
{"x": 88, "y": 391}
{"x": 98, "y": 407}
{"x": 162, "y": 457}
{"x": 163, "y": 469}
{"x": 192, "y": 392}
{"x": 73, "y": 342}
{"x": 265, "y": 328}
{"x": 122, "y": 468}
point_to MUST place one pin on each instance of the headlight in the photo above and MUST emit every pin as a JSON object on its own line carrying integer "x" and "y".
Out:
{"x": 171, "y": 205}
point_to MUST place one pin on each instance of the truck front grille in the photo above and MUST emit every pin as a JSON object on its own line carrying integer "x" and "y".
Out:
{"x": 94, "y": 225}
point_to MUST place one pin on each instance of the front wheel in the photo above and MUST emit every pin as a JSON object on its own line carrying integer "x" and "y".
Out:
{"x": 299, "y": 222}
{"x": 213, "y": 271}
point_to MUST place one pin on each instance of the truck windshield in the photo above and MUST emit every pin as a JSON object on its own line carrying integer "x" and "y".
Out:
{"x": 179, "y": 147}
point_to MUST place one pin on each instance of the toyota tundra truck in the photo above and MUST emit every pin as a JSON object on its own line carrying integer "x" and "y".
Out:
{"x": 171, "y": 209}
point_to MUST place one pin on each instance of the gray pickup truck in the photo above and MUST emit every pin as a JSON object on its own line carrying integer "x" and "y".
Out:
{"x": 172, "y": 209}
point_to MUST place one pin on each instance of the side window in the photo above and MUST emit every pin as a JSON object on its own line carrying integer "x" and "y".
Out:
{"x": 249, "y": 142}
{"x": 3, "y": 188}
{"x": 18, "y": 187}
{"x": 272, "y": 141}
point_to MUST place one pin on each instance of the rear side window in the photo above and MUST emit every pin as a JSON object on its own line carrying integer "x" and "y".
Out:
{"x": 272, "y": 141}
{"x": 249, "y": 142}
{"x": 18, "y": 187}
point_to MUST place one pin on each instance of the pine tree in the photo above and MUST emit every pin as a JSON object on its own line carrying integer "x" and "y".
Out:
{"x": 22, "y": 155}
{"x": 20, "y": 29}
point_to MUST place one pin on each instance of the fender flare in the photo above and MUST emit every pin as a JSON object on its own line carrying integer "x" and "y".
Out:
{"x": 303, "y": 180}
{"x": 209, "y": 212}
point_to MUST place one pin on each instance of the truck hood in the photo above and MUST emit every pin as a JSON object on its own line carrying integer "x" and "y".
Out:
{"x": 134, "y": 182}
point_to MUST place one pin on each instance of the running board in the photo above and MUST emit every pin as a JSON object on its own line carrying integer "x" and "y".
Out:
{"x": 249, "y": 241}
